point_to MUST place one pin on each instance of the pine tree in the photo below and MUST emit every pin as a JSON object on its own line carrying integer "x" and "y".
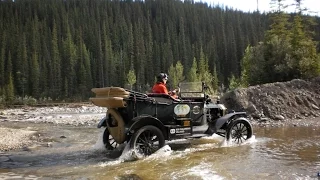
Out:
{"x": 68, "y": 70}
{"x": 22, "y": 72}
{"x": 131, "y": 78}
{"x": 176, "y": 74}
{"x": 304, "y": 61}
{"x": 10, "y": 89}
{"x": 192, "y": 75}
{"x": 55, "y": 74}
{"x": 277, "y": 45}
{"x": 149, "y": 51}
{"x": 2, "y": 63}
{"x": 215, "y": 81}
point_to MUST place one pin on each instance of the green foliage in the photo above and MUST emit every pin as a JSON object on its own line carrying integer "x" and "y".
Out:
{"x": 176, "y": 74}
{"x": 10, "y": 90}
{"x": 287, "y": 52}
{"x": 192, "y": 75}
{"x": 131, "y": 78}
{"x": 234, "y": 83}
{"x": 304, "y": 60}
{"x": 2, "y": 61}
{"x": 55, "y": 76}
{"x": 246, "y": 67}
{"x": 200, "y": 72}
{"x": 215, "y": 80}
{"x": 2, "y": 101}
{"x": 53, "y": 50}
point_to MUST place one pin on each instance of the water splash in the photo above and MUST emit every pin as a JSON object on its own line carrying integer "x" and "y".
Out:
{"x": 99, "y": 143}
{"x": 163, "y": 152}
{"x": 226, "y": 143}
{"x": 214, "y": 136}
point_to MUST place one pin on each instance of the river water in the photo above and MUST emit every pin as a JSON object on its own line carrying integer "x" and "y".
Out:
{"x": 68, "y": 152}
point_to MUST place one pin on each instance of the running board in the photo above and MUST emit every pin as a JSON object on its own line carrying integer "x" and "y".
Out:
{"x": 199, "y": 129}
{"x": 198, "y": 135}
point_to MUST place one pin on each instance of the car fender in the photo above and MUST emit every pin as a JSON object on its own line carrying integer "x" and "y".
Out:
{"x": 242, "y": 118}
{"x": 140, "y": 121}
{"x": 239, "y": 118}
{"x": 103, "y": 122}
{"x": 226, "y": 118}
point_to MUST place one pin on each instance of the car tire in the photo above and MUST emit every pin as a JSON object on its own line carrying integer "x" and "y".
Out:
{"x": 108, "y": 141}
{"x": 239, "y": 131}
{"x": 147, "y": 140}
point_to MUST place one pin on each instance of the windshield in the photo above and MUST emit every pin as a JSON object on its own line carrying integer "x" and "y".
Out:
{"x": 191, "y": 89}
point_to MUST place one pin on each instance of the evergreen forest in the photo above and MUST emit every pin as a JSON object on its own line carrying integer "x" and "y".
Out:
{"x": 60, "y": 49}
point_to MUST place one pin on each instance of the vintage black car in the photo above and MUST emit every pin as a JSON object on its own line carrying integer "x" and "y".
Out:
{"x": 146, "y": 121}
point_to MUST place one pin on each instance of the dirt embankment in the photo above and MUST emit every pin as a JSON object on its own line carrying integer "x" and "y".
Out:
{"x": 296, "y": 100}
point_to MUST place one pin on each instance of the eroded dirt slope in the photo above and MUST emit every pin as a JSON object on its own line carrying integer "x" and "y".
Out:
{"x": 296, "y": 99}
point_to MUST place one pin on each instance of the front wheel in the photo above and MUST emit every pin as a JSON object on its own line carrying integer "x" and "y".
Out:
{"x": 239, "y": 131}
{"x": 147, "y": 140}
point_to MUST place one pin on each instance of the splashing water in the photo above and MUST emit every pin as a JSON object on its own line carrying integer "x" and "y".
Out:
{"x": 99, "y": 143}
{"x": 226, "y": 143}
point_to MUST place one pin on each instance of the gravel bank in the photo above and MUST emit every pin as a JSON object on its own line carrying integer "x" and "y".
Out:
{"x": 12, "y": 139}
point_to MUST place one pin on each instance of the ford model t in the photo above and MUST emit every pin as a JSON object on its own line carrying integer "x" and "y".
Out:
{"x": 147, "y": 121}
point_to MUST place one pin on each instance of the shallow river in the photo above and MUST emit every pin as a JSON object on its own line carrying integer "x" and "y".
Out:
{"x": 68, "y": 152}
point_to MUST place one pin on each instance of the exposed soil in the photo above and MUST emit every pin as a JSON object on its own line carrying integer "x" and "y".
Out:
{"x": 295, "y": 102}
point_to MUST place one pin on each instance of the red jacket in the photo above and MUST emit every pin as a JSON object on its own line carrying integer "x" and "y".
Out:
{"x": 160, "y": 88}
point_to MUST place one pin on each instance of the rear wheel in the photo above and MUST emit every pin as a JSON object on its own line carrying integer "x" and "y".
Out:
{"x": 147, "y": 140}
{"x": 108, "y": 140}
{"x": 239, "y": 131}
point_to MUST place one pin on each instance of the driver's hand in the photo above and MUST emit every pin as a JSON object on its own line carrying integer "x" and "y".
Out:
{"x": 173, "y": 92}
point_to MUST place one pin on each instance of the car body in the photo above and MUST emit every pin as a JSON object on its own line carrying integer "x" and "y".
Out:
{"x": 147, "y": 121}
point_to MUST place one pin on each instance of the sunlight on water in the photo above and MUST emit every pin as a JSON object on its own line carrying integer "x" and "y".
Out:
{"x": 202, "y": 171}
{"x": 11, "y": 175}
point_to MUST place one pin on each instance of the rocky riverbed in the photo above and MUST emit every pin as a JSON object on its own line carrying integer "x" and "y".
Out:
{"x": 12, "y": 138}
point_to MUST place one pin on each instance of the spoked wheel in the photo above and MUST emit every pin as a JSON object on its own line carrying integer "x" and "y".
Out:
{"x": 147, "y": 140}
{"x": 239, "y": 131}
{"x": 109, "y": 141}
